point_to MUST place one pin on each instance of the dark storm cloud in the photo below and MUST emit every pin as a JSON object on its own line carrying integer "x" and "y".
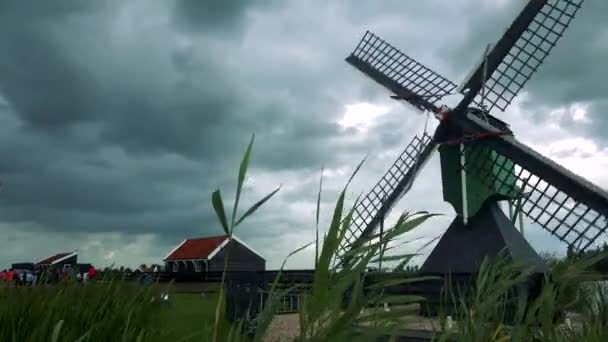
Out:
{"x": 34, "y": 66}
{"x": 18, "y": 9}
{"x": 131, "y": 131}
{"x": 210, "y": 15}
{"x": 53, "y": 86}
{"x": 216, "y": 17}
{"x": 67, "y": 189}
{"x": 176, "y": 101}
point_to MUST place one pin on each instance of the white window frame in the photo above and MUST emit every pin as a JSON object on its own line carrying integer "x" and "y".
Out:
{"x": 198, "y": 266}
{"x": 175, "y": 266}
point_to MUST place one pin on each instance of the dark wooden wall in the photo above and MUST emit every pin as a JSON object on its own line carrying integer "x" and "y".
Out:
{"x": 240, "y": 258}
{"x": 69, "y": 261}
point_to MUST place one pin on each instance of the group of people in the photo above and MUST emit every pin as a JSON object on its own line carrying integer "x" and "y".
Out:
{"x": 17, "y": 277}
{"x": 45, "y": 276}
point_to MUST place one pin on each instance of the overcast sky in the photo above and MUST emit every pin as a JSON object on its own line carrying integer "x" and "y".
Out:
{"x": 119, "y": 118}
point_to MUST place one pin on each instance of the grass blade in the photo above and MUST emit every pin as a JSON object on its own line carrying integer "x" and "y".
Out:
{"x": 352, "y": 176}
{"x": 317, "y": 218}
{"x": 298, "y": 250}
{"x": 257, "y": 205}
{"x": 56, "y": 331}
{"x": 84, "y": 337}
{"x": 218, "y": 206}
{"x": 242, "y": 173}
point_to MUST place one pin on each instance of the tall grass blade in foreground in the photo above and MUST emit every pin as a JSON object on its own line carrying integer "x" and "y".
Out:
{"x": 220, "y": 211}
{"x": 317, "y": 212}
{"x": 270, "y": 308}
{"x": 339, "y": 296}
{"x": 241, "y": 179}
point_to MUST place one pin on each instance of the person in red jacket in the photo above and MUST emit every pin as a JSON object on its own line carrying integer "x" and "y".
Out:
{"x": 92, "y": 272}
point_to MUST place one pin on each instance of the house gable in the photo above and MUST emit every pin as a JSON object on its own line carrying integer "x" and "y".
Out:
{"x": 238, "y": 251}
{"x": 248, "y": 247}
{"x": 209, "y": 253}
{"x": 240, "y": 258}
{"x": 195, "y": 249}
{"x": 58, "y": 258}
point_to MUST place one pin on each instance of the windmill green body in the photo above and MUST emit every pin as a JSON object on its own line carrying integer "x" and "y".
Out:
{"x": 478, "y": 191}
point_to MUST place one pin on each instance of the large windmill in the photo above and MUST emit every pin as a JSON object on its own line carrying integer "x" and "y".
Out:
{"x": 482, "y": 163}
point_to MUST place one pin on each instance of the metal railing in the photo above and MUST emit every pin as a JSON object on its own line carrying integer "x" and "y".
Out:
{"x": 288, "y": 303}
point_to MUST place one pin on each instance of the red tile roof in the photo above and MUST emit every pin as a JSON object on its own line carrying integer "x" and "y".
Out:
{"x": 199, "y": 248}
{"x": 52, "y": 258}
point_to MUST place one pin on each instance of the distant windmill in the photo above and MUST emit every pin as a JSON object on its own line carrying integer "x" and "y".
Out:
{"x": 482, "y": 163}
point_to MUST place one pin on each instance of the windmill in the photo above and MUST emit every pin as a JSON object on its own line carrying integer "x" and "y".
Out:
{"x": 482, "y": 163}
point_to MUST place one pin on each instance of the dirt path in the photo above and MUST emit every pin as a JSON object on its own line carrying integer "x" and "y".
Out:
{"x": 286, "y": 327}
{"x": 283, "y": 328}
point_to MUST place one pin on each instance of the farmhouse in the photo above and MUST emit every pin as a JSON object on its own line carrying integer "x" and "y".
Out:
{"x": 66, "y": 262}
{"x": 63, "y": 261}
{"x": 22, "y": 266}
{"x": 207, "y": 255}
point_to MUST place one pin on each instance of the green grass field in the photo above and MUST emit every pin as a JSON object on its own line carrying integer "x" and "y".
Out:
{"x": 117, "y": 311}
{"x": 190, "y": 315}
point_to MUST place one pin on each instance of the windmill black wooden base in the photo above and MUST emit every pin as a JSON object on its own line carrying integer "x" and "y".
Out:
{"x": 463, "y": 248}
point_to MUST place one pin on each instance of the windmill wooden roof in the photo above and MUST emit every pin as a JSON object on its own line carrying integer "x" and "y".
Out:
{"x": 201, "y": 248}
{"x": 55, "y": 258}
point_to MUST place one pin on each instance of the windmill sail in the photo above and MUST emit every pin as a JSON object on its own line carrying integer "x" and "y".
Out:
{"x": 566, "y": 205}
{"x": 399, "y": 73}
{"x": 519, "y": 52}
{"x": 391, "y": 187}
{"x": 422, "y": 88}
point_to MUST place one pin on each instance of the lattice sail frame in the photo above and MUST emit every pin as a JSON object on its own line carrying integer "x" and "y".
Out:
{"x": 528, "y": 53}
{"x": 398, "y": 72}
{"x": 377, "y": 201}
{"x": 569, "y": 220}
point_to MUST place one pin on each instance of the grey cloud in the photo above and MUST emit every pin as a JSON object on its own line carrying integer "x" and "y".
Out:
{"x": 216, "y": 17}
{"x": 599, "y": 126}
{"x": 17, "y": 9}
{"x": 213, "y": 15}
{"x": 574, "y": 71}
